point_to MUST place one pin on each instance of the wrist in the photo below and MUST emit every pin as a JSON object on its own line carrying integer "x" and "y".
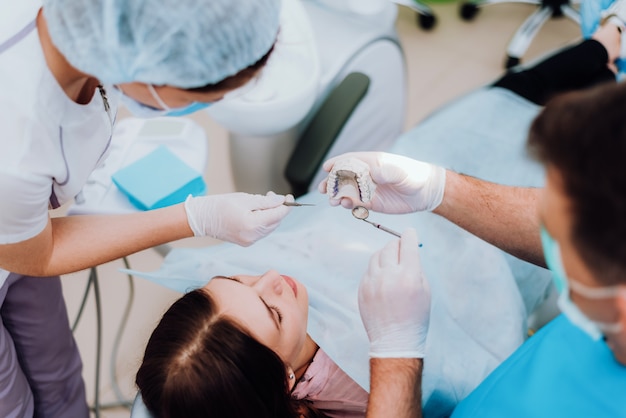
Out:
{"x": 453, "y": 186}
{"x": 438, "y": 184}
{"x": 418, "y": 355}
{"x": 409, "y": 343}
{"x": 416, "y": 349}
{"x": 410, "y": 366}
{"x": 193, "y": 223}
{"x": 395, "y": 388}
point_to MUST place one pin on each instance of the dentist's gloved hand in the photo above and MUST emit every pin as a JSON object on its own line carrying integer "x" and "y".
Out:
{"x": 403, "y": 185}
{"x": 240, "y": 218}
{"x": 394, "y": 300}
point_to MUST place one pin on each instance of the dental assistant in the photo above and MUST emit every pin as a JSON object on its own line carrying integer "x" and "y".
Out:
{"x": 64, "y": 66}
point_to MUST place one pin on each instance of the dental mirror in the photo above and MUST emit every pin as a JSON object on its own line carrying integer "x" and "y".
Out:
{"x": 361, "y": 212}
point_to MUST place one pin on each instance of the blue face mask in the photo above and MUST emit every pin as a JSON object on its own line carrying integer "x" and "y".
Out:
{"x": 144, "y": 111}
{"x": 594, "y": 329}
{"x": 188, "y": 110}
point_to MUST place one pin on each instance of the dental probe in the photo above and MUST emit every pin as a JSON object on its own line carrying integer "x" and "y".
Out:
{"x": 297, "y": 204}
{"x": 361, "y": 212}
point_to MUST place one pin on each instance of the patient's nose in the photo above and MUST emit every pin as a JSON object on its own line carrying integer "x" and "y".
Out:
{"x": 272, "y": 282}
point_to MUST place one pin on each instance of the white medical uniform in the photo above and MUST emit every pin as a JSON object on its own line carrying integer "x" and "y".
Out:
{"x": 48, "y": 147}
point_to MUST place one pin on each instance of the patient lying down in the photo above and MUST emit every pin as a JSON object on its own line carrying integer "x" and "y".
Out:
{"x": 229, "y": 348}
{"x": 239, "y": 347}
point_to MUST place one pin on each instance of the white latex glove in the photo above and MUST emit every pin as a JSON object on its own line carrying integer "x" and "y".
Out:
{"x": 241, "y": 218}
{"x": 403, "y": 185}
{"x": 394, "y": 300}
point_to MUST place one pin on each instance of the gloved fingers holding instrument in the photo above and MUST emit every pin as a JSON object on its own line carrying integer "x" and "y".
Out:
{"x": 394, "y": 300}
{"x": 387, "y": 183}
{"x": 240, "y": 218}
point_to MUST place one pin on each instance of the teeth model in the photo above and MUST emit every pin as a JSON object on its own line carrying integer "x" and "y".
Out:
{"x": 350, "y": 178}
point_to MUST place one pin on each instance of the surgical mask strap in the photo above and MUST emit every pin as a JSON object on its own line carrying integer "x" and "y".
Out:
{"x": 594, "y": 292}
{"x": 606, "y": 292}
{"x": 156, "y": 97}
{"x": 181, "y": 111}
{"x": 594, "y": 329}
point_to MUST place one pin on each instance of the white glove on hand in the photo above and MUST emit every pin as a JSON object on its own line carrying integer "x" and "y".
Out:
{"x": 394, "y": 300}
{"x": 241, "y": 218}
{"x": 403, "y": 185}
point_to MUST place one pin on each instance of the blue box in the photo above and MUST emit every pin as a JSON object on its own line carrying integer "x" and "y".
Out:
{"x": 159, "y": 179}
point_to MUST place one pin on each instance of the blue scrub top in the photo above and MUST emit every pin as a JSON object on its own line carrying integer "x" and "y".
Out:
{"x": 558, "y": 372}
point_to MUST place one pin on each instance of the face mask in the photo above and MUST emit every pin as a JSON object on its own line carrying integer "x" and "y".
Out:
{"x": 180, "y": 111}
{"x": 144, "y": 111}
{"x": 141, "y": 110}
{"x": 594, "y": 329}
{"x": 188, "y": 110}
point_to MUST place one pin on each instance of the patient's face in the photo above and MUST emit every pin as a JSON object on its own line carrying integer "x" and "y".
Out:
{"x": 272, "y": 307}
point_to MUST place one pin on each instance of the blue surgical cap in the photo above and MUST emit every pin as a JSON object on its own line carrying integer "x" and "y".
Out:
{"x": 180, "y": 43}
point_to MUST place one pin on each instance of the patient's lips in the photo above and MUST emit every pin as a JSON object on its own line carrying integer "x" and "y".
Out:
{"x": 291, "y": 284}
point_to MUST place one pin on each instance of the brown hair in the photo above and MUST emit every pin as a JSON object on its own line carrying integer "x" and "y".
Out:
{"x": 237, "y": 80}
{"x": 198, "y": 364}
{"x": 583, "y": 135}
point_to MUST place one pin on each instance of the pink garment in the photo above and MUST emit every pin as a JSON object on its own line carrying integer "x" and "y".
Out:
{"x": 330, "y": 389}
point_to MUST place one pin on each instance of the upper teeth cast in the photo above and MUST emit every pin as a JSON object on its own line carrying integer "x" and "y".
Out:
{"x": 350, "y": 178}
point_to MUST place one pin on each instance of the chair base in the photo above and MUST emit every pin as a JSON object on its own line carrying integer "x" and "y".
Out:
{"x": 425, "y": 17}
{"x": 528, "y": 30}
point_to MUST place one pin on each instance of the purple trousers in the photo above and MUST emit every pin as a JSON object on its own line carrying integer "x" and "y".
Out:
{"x": 40, "y": 367}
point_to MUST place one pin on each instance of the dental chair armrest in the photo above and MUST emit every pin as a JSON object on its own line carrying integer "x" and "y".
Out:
{"x": 322, "y": 131}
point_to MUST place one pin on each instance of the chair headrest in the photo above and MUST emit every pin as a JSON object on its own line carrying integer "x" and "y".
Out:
{"x": 288, "y": 85}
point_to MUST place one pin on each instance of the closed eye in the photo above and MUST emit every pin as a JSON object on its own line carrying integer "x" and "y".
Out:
{"x": 280, "y": 315}
{"x": 270, "y": 309}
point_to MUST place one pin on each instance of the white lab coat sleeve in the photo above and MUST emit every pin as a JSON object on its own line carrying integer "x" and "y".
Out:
{"x": 23, "y": 206}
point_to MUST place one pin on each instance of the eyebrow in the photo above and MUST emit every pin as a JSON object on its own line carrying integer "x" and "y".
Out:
{"x": 270, "y": 311}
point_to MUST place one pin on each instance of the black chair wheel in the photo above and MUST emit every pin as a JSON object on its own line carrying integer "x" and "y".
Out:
{"x": 468, "y": 11}
{"x": 426, "y": 22}
{"x": 511, "y": 62}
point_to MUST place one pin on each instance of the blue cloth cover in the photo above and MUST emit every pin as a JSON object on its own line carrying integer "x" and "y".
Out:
{"x": 559, "y": 372}
{"x": 159, "y": 179}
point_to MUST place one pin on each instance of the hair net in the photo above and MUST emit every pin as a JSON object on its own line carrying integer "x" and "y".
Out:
{"x": 181, "y": 43}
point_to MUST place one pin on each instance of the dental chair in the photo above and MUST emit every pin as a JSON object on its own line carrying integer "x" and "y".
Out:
{"x": 328, "y": 249}
{"x": 481, "y": 296}
{"x": 425, "y": 18}
{"x": 484, "y": 300}
{"x": 335, "y": 82}
{"x": 519, "y": 43}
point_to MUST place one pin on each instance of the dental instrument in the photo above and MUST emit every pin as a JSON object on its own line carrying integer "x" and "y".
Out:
{"x": 361, "y": 212}
{"x": 294, "y": 204}
{"x": 297, "y": 204}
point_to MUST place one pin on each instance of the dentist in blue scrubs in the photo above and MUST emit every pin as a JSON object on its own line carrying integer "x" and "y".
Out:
{"x": 65, "y": 65}
{"x": 575, "y": 366}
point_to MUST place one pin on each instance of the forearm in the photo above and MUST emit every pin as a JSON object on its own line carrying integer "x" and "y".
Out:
{"x": 504, "y": 216}
{"x": 74, "y": 243}
{"x": 395, "y": 388}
